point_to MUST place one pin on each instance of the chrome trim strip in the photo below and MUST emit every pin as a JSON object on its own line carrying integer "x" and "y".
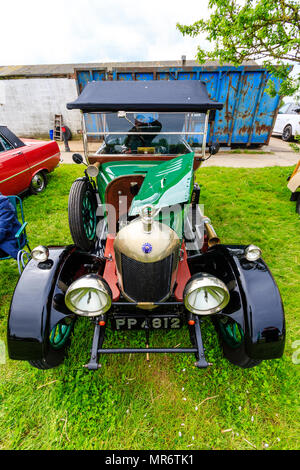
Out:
{"x": 33, "y": 166}
{"x": 13, "y": 176}
{"x": 43, "y": 161}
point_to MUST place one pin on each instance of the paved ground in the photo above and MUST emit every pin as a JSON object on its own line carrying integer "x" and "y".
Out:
{"x": 282, "y": 155}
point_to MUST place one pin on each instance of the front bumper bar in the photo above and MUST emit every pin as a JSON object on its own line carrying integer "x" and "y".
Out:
{"x": 99, "y": 336}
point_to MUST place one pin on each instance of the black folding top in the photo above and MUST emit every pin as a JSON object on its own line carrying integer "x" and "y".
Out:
{"x": 11, "y": 137}
{"x": 150, "y": 95}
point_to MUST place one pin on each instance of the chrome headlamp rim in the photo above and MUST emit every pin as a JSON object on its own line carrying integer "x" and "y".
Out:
{"x": 250, "y": 253}
{"x": 40, "y": 253}
{"x": 89, "y": 283}
{"x": 200, "y": 281}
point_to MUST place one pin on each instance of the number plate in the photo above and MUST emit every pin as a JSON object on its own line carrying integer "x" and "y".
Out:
{"x": 136, "y": 323}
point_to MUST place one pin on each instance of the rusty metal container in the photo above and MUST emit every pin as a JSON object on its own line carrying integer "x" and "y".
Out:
{"x": 249, "y": 113}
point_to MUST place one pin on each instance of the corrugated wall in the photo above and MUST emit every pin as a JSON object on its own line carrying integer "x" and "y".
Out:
{"x": 248, "y": 114}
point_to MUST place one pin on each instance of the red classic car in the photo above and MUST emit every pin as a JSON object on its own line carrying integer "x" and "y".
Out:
{"x": 24, "y": 164}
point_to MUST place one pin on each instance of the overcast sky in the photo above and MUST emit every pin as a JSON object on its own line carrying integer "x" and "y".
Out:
{"x": 74, "y": 31}
{"x": 68, "y": 31}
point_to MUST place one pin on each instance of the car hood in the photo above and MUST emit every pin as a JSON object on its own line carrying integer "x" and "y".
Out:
{"x": 165, "y": 185}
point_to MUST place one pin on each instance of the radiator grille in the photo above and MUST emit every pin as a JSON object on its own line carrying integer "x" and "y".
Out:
{"x": 146, "y": 282}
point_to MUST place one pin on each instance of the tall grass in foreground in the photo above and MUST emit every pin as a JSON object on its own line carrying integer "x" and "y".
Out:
{"x": 167, "y": 404}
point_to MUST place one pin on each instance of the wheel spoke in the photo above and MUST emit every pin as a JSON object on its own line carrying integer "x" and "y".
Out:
{"x": 232, "y": 334}
{"x": 89, "y": 218}
{"x": 60, "y": 334}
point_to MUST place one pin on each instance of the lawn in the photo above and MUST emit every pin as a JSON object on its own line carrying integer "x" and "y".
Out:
{"x": 167, "y": 404}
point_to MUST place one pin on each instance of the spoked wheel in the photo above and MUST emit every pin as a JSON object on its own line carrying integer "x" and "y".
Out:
{"x": 58, "y": 342}
{"x": 82, "y": 214}
{"x": 38, "y": 183}
{"x": 232, "y": 339}
{"x": 287, "y": 133}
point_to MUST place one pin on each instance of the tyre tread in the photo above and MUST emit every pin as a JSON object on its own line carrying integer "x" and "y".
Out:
{"x": 290, "y": 137}
{"x": 237, "y": 356}
{"x": 42, "y": 364}
{"x": 77, "y": 191}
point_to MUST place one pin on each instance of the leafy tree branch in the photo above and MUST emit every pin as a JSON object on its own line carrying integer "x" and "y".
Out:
{"x": 267, "y": 30}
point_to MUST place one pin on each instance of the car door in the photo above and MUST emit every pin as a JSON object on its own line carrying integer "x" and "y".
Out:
{"x": 15, "y": 175}
{"x": 294, "y": 118}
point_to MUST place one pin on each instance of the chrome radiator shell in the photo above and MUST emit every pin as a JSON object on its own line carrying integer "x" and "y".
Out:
{"x": 147, "y": 274}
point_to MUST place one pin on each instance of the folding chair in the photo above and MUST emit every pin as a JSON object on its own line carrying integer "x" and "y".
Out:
{"x": 21, "y": 234}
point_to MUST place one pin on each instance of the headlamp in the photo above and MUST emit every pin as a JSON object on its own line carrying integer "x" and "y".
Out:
{"x": 40, "y": 253}
{"x": 205, "y": 294}
{"x": 252, "y": 253}
{"x": 88, "y": 296}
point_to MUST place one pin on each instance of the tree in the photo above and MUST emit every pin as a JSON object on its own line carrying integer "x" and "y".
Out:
{"x": 253, "y": 29}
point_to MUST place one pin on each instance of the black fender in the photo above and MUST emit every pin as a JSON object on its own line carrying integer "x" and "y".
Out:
{"x": 38, "y": 300}
{"x": 255, "y": 301}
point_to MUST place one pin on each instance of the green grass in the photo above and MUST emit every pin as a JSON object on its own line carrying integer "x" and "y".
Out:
{"x": 129, "y": 404}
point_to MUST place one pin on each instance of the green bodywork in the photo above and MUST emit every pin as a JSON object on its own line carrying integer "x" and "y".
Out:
{"x": 166, "y": 184}
{"x": 112, "y": 170}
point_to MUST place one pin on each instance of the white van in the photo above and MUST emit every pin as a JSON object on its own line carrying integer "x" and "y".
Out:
{"x": 288, "y": 121}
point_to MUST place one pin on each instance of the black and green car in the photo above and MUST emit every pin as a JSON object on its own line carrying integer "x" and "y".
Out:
{"x": 144, "y": 254}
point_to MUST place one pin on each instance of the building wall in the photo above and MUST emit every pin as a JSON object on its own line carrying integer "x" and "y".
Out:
{"x": 2, "y": 93}
{"x": 27, "y": 106}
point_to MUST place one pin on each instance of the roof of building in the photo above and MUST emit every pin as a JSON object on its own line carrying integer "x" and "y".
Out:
{"x": 61, "y": 70}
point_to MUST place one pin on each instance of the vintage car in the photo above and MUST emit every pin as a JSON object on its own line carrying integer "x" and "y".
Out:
{"x": 144, "y": 255}
{"x": 294, "y": 186}
{"x": 24, "y": 164}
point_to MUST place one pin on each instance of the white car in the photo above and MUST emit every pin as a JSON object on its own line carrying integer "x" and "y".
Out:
{"x": 288, "y": 121}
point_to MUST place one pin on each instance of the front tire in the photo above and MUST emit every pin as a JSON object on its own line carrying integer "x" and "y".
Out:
{"x": 232, "y": 340}
{"x": 58, "y": 343}
{"x": 38, "y": 183}
{"x": 287, "y": 133}
{"x": 82, "y": 214}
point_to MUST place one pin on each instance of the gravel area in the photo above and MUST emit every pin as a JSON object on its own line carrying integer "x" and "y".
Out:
{"x": 281, "y": 155}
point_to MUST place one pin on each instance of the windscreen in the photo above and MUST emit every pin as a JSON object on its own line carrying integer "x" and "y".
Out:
{"x": 147, "y": 133}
